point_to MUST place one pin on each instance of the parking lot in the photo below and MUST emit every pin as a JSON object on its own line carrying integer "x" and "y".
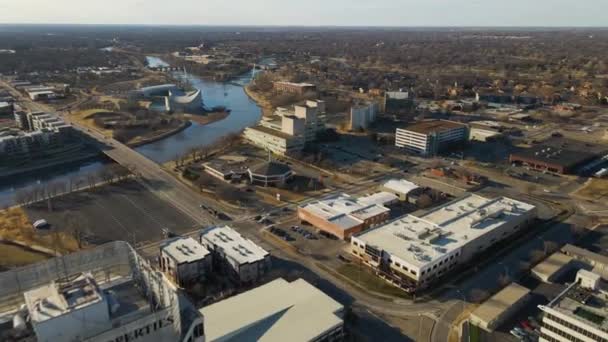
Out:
{"x": 124, "y": 211}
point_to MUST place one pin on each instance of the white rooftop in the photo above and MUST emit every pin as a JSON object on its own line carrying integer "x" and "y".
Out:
{"x": 421, "y": 240}
{"x": 400, "y": 186}
{"x": 54, "y": 299}
{"x": 184, "y": 250}
{"x": 344, "y": 210}
{"x": 277, "y": 311}
{"x": 380, "y": 198}
{"x": 235, "y": 246}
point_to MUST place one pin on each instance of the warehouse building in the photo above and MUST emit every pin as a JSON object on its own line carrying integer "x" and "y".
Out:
{"x": 500, "y": 307}
{"x": 108, "y": 293}
{"x": 552, "y": 268}
{"x": 412, "y": 252}
{"x": 278, "y": 311}
{"x": 342, "y": 215}
{"x": 401, "y": 188}
{"x": 427, "y": 138}
{"x": 184, "y": 260}
{"x": 236, "y": 255}
{"x": 561, "y": 156}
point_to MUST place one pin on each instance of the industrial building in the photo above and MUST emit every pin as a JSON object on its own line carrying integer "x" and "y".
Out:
{"x": 294, "y": 88}
{"x": 241, "y": 258}
{"x": 485, "y": 130}
{"x": 556, "y": 155}
{"x": 184, "y": 260}
{"x": 342, "y": 215}
{"x": 500, "y": 307}
{"x": 108, "y": 293}
{"x": 427, "y": 138}
{"x": 579, "y": 313}
{"x": 413, "y": 251}
{"x": 275, "y": 312}
{"x": 290, "y": 129}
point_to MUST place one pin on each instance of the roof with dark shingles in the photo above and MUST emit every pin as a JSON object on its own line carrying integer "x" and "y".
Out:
{"x": 270, "y": 169}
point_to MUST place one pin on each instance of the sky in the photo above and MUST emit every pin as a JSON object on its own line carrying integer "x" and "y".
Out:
{"x": 310, "y": 12}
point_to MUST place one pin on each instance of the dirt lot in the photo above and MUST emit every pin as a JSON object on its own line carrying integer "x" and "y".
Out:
{"x": 15, "y": 225}
{"x": 595, "y": 190}
{"x": 13, "y": 256}
{"x": 124, "y": 211}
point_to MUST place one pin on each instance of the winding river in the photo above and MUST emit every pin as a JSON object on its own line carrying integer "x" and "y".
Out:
{"x": 244, "y": 112}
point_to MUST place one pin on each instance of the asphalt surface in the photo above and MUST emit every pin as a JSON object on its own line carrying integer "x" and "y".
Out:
{"x": 124, "y": 211}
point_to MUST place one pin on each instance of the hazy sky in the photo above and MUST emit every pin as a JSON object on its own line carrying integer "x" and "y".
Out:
{"x": 311, "y": 12}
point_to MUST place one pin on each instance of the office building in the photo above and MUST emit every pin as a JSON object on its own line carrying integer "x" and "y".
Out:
{"x": 343, "y": 216}
{"x": 276, "y": 312}
{"x": 241, "y": 258}
{"x": 427, "y": 138}
{"x": 295, "y": 88}
{"x": 108, "y": 293}
{"x": 184, "y": 260}
{"x": 362, "y": 116}
{"x": 413, "y": 251}
{"x": 274, "y": 141}
{"x": 579, "y": 313}
{"x": 270, "y": 173}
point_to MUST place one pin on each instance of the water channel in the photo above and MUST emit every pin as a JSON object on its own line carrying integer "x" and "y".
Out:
{"x": 244, "y": 112}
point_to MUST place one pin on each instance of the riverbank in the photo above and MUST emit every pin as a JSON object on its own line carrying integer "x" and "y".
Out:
{"x": 49, "y": 164}
{"x": 264, "y": 104}
{"x": 140, "y": 141}
{"x": 207, "y": 118}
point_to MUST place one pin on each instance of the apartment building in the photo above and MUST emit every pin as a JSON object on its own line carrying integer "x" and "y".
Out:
{"x": 241, "y": 258}
{"x": 184, "y": 260}
{"x": 413, "y": 251}
{"x": 295, "y": 88}
{"x": 427, "y": 138}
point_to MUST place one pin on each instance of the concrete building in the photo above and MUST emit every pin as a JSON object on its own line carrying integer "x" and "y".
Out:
{"x": 342, "y": 215}
{"x": 484, "y": 130}
{"x": 241, "y": 258}
{"x": 184, "y": 260}
{"x": 362, "y": 116}
{"x": 270, "y": 173}
{"x": 108, "y": 293}
{"x": 39, "y": 132}
{"x": 400, "y": 188}
{"x": 561, "y": 156}
{"x": 579, "y": 313}
{"x": 295, "y": 88}
{"x": 552, "y": 267}
{"x": 500, "y": 307}
{"x": 428, "y": 138}
{"x": 414, "y": 251}
{"x": 276, "y": 312}
{"x": 598, "y": 262}
{"x": 274, "y": 141}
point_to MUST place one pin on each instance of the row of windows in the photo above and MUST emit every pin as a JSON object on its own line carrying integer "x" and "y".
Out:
{"x": 574, "y": 327}
{"x": 403, "y": 267}
{"x": 446, "y": 261}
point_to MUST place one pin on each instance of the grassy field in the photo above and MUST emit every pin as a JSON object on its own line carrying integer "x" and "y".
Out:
{"x": 594, "y": 189}
{"x": 85, "y": 118}
{"x": 362, "y": 276}
{"x": 16, "y": 226}
{"x": 13, "y": 256}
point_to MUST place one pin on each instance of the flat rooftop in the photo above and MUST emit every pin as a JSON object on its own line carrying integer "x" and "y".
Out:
{"x": 421, "y": 240}
{"x": 584, "y": 305}
{"x": 277, "y": 311}
{"x": 494, "y": 307}
{"x": 427, "y": 127}
{"x": 562, "y": 152}
{"x": 271, "y": 131}
{"x": 229, "y": 164}
{"x": 235, "y": 246}
{"x": 344, "y": 210}
{"x": 552, "y": 265}
{"x": 184, "y": 250}
{"x": 293, "y": 84}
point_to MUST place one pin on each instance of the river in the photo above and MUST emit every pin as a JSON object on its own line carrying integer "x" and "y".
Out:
{"x": 244, "y": 112}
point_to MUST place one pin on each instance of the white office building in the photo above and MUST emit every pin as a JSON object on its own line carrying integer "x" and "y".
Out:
{"x": 240, "y": 257}
{"x": 412, "y": 252}
{"x": 428, "y": 138}
{"x": 578, "y": 314}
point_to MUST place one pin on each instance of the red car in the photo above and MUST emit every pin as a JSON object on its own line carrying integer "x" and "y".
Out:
{"x": 527, "y": 325}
